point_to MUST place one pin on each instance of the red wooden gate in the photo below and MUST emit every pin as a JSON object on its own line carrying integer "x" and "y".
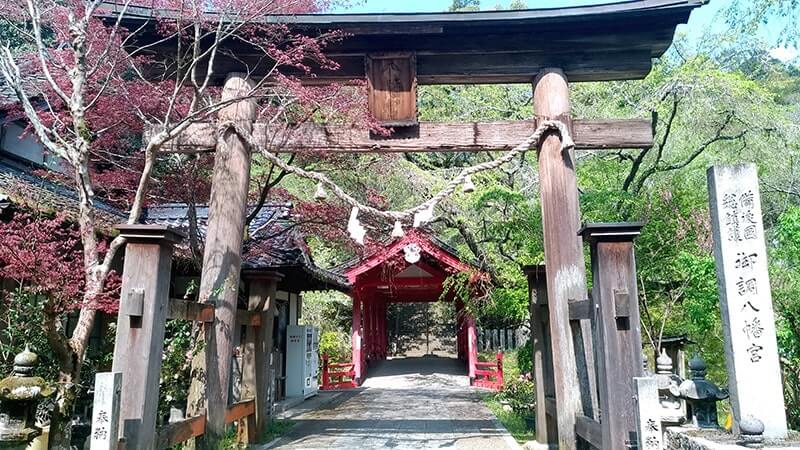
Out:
{"x": 337, "y": 375}
{"x": 490, "y": 374}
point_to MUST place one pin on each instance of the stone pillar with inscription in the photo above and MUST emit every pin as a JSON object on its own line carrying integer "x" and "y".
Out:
{"x": 748, "y": 320}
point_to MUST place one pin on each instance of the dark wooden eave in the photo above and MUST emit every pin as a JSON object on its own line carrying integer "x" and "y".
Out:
{"x": 612, "y": 41}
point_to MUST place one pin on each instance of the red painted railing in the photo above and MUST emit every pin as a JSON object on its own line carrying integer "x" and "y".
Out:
{"x": 337, "y": 375}
{"x": 490, "y": 374}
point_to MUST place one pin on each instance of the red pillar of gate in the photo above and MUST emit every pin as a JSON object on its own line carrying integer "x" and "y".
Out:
{"x": 386, "y": 314}
{"x": 375, "y": 335}
{"x": 368, "y": 328}
{"x": 357, "y": 338}
{"x": 382, "y": 329}
{"x": 374, "y": 311}
{"x": 462, "y": 335}
{"x": 384, "y": 332}
{"x": 472, "y": 348}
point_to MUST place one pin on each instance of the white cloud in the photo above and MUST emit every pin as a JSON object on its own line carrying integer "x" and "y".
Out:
{"x": 784, "y": 54}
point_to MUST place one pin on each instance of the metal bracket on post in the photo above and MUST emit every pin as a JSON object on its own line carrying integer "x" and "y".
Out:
{"x": 134, "y": 304}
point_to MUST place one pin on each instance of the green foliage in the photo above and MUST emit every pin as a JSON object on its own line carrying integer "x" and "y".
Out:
{"x": 749, "y": 15}
{"x": 22, "y": 326}
{"x": 335, "y": 344}
{"x": 524, "y": 356}
{"x": 465, "y": 5}
{"x": 277, "y": 428}
{"x": 513, "y": 422}
{"x": 519, "y": 393}
{"x": 179, "y": 348}
{"x": 785, "y": 275}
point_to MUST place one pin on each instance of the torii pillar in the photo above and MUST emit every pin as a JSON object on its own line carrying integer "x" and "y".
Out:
{"x": 573, "y": 362}
{"x": 222, "y": 260}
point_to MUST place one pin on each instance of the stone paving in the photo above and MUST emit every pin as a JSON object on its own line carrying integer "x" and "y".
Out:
{"x": 412, "y": 403}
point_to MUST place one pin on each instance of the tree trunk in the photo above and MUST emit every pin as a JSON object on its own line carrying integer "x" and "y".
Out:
{"x": 61, "y": 420}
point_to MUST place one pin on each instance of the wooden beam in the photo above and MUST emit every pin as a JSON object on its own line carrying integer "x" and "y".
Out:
{"x": 589, "y": 430}
{"x": 428, "y": 137}
{"x": 185, "y": 310}
{"x": 240, "y": 410}
{"x": 580, "y": 310}
{"x": 175, "y": 433}
{"x": 248, "y": 318}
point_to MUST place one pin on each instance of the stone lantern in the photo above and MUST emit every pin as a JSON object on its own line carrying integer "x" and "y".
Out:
{"x": 673, "y": 411}
{"x": 20, "y": 394}
{"x": 701, "y": 396}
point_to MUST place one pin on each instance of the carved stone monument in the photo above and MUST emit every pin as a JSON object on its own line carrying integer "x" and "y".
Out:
{"x": 105, "y": 412}
{"x": 648, "y": 414}
{"x": 748, "y": 320}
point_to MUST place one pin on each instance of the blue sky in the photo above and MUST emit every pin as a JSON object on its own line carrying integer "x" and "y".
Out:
{"x": 705, "y": 19}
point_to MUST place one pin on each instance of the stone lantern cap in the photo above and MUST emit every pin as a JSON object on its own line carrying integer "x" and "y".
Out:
{"x": 698, "y": 388}
{"x": 21, "y": 385}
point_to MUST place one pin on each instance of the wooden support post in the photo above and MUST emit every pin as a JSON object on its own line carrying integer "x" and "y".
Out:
{"x": 357, "y": 338}
{"x": 472, "y": 349}
{"x": 619, "y": 339}
{"x": 140, "y": 328}
{"x": 256, "y": 373}
{"x": 222, "y": 258}
{"x": 566, "y": 275}
{"x": 546, "y": 423}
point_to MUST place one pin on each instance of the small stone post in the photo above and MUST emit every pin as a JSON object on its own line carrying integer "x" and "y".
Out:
{"x": 648, "y": 414}
{"x": 751, "y": 348}
{"x": 105, "y": 411}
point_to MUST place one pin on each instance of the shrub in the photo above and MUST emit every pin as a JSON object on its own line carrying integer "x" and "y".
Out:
{"x": 525, "y": 357}
{"x": 520, "y": 394}
{"x": 336, "y": 344}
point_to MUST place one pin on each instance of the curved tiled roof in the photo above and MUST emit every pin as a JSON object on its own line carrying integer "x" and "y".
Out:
{"x": 275, "y": 242}
{"x": 35, "y": 192}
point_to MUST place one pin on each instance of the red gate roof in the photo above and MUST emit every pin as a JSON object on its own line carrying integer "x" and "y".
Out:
{"x": 392, "y": 271}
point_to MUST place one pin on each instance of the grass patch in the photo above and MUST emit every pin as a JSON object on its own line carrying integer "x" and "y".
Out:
{"x": 277, "y": 428}
{"x": 514, "y": 423}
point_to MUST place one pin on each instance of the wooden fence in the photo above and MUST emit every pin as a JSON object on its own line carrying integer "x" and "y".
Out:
{"x": 501, "y": 338}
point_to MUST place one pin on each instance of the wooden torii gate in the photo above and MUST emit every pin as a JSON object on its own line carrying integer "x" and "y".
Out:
{"x": 395, "y": 53}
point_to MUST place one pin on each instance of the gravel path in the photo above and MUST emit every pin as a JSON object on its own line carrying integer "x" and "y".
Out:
{"x": 414, "y": 403}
